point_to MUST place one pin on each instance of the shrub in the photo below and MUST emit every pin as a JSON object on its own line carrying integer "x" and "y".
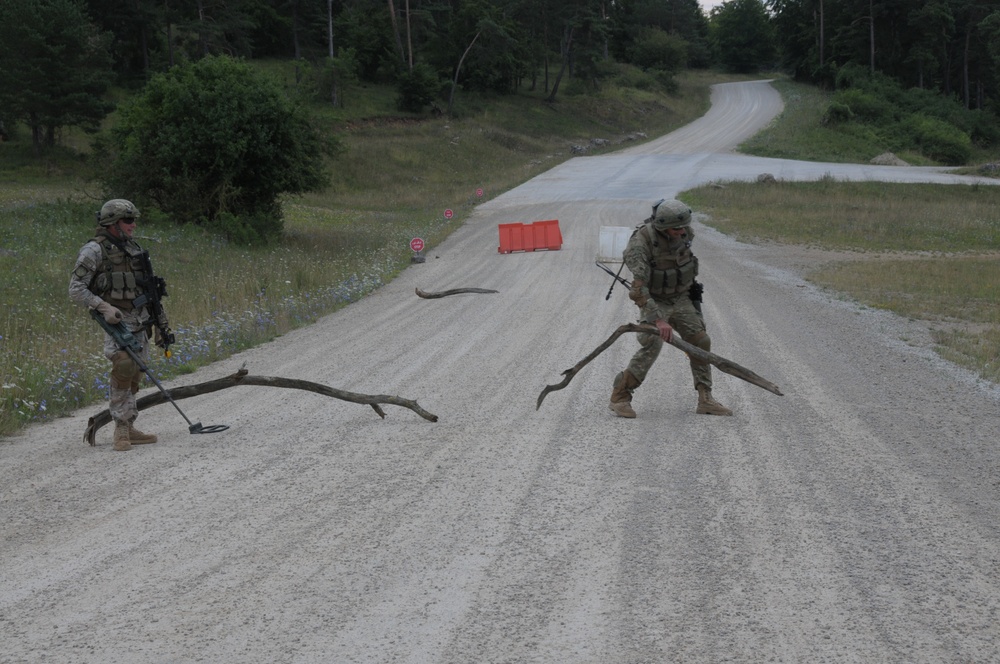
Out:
{"x": 417, "y": 88}
{"x": 939, "y": 140}
{"x": 866, "y": 106}
{"x": 837, "y": 113}
{"x": 210, "y": 138}
{"x": 659, "y": 50}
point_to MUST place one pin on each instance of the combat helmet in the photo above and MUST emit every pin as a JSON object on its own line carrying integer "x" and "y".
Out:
{"x": 671, "y": 214}
{"x": 116, "y": 209}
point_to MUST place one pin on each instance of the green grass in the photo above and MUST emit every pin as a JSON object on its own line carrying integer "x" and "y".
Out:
{"x": 858, "y": 216}
{"x": 928, "y": 252}
{"x": 800, "y": 134}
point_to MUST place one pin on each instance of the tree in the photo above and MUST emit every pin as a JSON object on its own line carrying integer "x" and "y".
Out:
{"x": 582, "y": 32}
{"x": 930, "y": 27}
{"x": 743, "y": 35}
{"x": 54, "y": 67}
{"x": 681, "y": 18}
{"x": 215, "y": 143}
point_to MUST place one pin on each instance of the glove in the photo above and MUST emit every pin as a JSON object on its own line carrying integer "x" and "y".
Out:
{"x": 638, "y": 293}
{"x": 157, "y": 337}
{"x": 111, "y": 314}
{"x": 666, "y": 332}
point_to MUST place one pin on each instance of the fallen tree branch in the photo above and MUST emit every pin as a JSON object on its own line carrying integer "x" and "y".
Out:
{"x": 242, "y": 377}
{"x": 724, "y": 365}
{"x": 453, "y": 291}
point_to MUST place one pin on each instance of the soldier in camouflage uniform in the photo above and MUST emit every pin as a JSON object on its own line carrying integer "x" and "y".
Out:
{"x": 108, "y": 277}
{"x": 663, "y": 269}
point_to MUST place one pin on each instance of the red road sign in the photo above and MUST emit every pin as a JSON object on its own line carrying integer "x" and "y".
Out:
{"x": 417, "y": 244}
{"x": 479, "y": 192}
{"x": 448, "y": 214}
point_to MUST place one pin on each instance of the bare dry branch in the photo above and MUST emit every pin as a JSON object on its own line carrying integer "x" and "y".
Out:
{"x": 240, "y": 378}
{"x": 454, "y": 291}
{"x": 724, "y": 365}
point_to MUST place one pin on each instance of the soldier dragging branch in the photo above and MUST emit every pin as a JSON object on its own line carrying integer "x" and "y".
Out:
{"x": 664, "y": 288}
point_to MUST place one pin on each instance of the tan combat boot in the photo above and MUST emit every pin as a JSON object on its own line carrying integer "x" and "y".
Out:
{"x": 709, "y": 406}
{"x": 137, "y": 437}
{"x": 122, "y": 443}
{"x": 621, "y": 395}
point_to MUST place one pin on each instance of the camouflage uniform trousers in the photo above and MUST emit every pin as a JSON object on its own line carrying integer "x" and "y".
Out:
{"x": 684, "y": 318}
{"x": 125, "y": 373}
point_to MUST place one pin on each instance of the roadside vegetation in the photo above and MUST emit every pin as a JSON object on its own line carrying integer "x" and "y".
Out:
{"x": 927, "y": 252}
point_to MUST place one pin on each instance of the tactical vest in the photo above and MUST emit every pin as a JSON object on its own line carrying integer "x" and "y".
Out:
{"x": 673, "y": 267}
{"x": 119, "y": 278}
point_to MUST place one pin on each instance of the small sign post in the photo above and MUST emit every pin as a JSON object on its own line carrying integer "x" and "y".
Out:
{"x": 448, "y": 214}
{"x": 417, "y": 246}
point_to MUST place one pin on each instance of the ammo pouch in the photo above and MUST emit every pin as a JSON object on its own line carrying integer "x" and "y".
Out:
{"x": 673, "y": 280}
{"x": 120, "y": 275}
{"x": 122, "y": 285}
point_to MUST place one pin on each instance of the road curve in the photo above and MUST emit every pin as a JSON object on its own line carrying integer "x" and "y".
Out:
{"x": 853, "y": 519}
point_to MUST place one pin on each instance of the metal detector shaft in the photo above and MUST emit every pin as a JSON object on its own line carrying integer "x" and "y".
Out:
{"x": 128, "y": 343}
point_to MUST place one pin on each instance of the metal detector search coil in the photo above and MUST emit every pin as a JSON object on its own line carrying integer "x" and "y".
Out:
{"x": 127, "y": 342}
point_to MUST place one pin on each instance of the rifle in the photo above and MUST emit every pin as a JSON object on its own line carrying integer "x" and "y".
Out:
{"x": 125, "y": 340}
{"x": 695, "y": 292}
{"x": 618, "y": 277}
{"x": 155, "y": 289}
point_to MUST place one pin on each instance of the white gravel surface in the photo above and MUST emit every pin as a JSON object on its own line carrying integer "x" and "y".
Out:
{"x": 852, "y": 520}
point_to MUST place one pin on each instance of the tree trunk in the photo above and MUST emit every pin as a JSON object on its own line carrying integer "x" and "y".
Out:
{"x": 296, "y": 45}
{"x": 966, "y": 91}
{"x": 170, "y": 33}
{"x": 409, "y": 37}
{"x": 822, "y": 35}
{"x": 871, "y": 35}
{"x": 458, "y": 68}
{"x": 329, "y": 27}
{"x": 567, "y": 44}
{"x": 395, "y": 32}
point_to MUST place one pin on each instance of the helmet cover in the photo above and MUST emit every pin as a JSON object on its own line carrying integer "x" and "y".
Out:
{"x": 671, "y": 214}
{"x": 115, "y": 210}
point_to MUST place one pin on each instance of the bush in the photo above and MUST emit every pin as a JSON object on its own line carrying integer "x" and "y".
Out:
{"x": 837, "y": 113}
{"x": 866, "y": 106}
{"x": 214, "y": 138}
{"x": 939, "y": 140}
{"x": 659, "y": 50}
{"x": 417, "y": 88}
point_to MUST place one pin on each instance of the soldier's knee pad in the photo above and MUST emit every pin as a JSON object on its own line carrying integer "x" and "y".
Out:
{"x": 124, "y": 371}
{"x": 701, "y": 340}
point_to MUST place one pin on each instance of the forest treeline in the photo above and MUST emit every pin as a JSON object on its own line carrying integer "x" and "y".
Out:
{"x": 199, "y": 134}
{"x": 58, "y": 58}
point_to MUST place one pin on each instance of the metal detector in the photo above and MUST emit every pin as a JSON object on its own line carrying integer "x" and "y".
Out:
{"x": 127, "y": 342}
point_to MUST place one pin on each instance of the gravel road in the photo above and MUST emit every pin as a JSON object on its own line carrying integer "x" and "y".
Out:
{"x": 852, "y": 520}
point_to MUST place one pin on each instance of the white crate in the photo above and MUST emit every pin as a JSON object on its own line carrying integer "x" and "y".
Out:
{"x": 612, "y": 243}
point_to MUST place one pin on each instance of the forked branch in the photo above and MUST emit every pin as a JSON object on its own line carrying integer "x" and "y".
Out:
{"x": 242, "y": 377}
{"x": 724, "y": 365}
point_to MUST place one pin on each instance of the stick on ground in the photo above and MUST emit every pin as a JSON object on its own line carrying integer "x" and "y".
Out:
{"x": 242, "y": 377}
{"x": 453, "y": 291}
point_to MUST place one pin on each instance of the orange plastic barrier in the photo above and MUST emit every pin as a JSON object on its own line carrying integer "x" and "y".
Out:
{"x": 530, "y": 237}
